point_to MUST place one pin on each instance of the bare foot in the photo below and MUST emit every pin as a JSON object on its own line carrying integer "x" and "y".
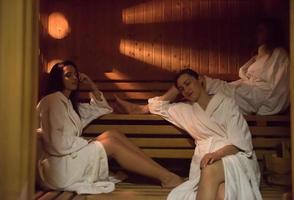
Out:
{"x": 131, "y": 108}
{"x": 173, "y": 181}
{"x": 119, "y": 175}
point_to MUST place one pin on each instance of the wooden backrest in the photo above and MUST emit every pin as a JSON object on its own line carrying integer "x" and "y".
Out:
{"x": 160, "y": 139}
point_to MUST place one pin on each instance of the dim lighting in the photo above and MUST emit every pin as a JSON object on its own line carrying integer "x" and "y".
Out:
{"x": 58, "y": 26}
{"x": 50, "y": 64}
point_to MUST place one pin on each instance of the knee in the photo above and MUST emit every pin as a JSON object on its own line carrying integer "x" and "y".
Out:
{"x": 113, "y": 133}
{"x": 213, "y": 173}
{"x": 111, "y": 145}
{"x": 208, "y": 173}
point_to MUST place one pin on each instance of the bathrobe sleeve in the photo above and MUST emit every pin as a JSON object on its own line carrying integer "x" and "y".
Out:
{"x": 237, "y": 129}
{"x": 56, "y": 126}
{"x": 94, "y": 109}
{"x": 169, "y": 111}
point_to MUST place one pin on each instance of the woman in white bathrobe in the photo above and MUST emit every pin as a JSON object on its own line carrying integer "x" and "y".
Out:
{"x": 224, "y": 165}
{"x": 71, "y": 163}
{"x": 263, "y": 87}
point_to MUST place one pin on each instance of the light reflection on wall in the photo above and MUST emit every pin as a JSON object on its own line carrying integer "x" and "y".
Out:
{"x": 50, "y": 64}
{"x": 58, "y": 26}
{"x": 167, "y": 57}
{"x": 156, "y": 11}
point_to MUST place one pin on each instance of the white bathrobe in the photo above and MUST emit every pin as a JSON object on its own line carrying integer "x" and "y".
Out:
{"x": 263, "y": 87}
{"x": 219, "y": 125}
{"x": 68, "y": 162}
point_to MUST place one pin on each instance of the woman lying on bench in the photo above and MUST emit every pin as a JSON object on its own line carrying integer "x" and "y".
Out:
{"x": 263, "y": 87}
{"x": 71, "y": 163}
{"x": 224, "y": 163}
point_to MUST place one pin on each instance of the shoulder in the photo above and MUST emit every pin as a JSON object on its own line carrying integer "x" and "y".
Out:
{"x": 52, "y": 99}
{"x": 280, "y": 51}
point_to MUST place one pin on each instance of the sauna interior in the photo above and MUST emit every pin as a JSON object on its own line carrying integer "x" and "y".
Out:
{"x": 133, "y": 49}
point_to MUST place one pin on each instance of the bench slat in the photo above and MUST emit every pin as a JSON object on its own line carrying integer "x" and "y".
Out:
{"x": 270, "y": 118}
{"x": 172, "y": 130}
{"x": 132, "y": 191}
{"x": 49, "y": 195}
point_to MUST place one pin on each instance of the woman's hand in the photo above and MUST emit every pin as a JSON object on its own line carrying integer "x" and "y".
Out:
{"x": 209, "y": 158}
{"x": 84, "y": 79}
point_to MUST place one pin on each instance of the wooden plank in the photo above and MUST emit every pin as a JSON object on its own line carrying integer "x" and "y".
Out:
{"x": 172, "y": 130}
{"x": 273, "y": 118}
{"x": 49, "y": 195}
{"x": 282, "y": 118}
{"x": 258, "y": 143}
{"x": 270, "y": 131}
{"x": 124, "y": 95}
{"x": 65, "y": 196}
{"x": 134, "y": 129}
{"x": 267, "y": 142}
{"x": 187, "y": 153}
{"x": 142, "y": 86}
{"x": 131, "y": 117}
{"x": 132, "y": 191}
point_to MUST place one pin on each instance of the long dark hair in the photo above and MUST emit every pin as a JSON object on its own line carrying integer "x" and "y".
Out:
{"x": 55, "y": 82}
{"x": 275, "y": 33}
{"x": 185, "y": 71}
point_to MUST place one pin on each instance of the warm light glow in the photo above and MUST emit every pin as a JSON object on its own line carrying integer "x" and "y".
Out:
{"x": 51, "y": 64}
{"x": 58, "y": 26}
{"x": 154, "y": 54}
{"x": 157, "y": 11}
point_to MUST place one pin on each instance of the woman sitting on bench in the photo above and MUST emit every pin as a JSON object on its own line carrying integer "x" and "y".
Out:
{"x": 263, "y": 87}
{"x": 224, "y": 163}
{"x": 68, "y": 161}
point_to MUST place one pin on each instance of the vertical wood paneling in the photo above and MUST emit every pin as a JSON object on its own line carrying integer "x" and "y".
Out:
{"x": 210, "y": 36}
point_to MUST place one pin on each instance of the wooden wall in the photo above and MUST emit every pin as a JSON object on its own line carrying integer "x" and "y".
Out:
{"x": 140, "y": 37}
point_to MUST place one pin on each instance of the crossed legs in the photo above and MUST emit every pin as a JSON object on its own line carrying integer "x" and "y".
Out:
{"x": 130, "y": 157}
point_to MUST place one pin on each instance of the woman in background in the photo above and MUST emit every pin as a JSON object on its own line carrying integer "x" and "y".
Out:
{"x": 263, "y": 87}
{"x": 70, "y": 162}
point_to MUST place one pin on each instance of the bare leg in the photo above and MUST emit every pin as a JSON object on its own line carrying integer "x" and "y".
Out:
{"x": 132, "y": 108}
{"x": 221, "y": 192}
{"x": 121, "y": 136}
{"x": 212, "y": 175}
{"x": 134, "y": 162}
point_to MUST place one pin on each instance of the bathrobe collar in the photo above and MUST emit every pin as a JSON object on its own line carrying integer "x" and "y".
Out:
{"x": 72, "y": 114}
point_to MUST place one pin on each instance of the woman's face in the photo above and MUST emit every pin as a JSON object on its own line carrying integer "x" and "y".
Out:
{"x": 189, "y": 87}
{"x": 261, "y": 34}
{"x": 70, "y": 78}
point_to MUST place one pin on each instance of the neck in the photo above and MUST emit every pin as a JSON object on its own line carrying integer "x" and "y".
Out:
{"x": 66, "y": 93}
{"x": 204, "y": 100}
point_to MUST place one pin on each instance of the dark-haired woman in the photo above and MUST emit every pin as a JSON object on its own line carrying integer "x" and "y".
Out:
{"x": 263, "y": 87}
{"x": 68, "y": 161}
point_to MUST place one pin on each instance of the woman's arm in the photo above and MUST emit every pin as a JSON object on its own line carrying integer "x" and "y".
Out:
{"x": 84, "y": 79}
{"x": 133, "y": 108}
{"x": 210, "y": 158}
{"x": 170, "y": 95}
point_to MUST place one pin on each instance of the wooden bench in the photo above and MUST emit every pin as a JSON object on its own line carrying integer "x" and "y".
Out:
{"x": 140, "y": 192}
{"x": 162, "y": 141}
